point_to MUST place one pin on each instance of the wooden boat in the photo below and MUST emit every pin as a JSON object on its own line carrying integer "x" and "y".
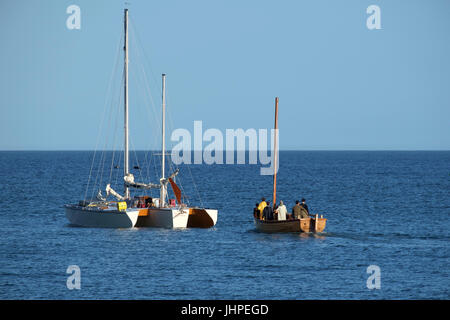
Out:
{"x": 295, "y": 225}
{"x": 315, "y": 224}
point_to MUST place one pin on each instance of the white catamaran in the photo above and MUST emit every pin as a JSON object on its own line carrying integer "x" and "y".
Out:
{"x": 142, "y": 211}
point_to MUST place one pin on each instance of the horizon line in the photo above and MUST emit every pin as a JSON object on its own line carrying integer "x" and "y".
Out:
{"x": 169, "y": 151}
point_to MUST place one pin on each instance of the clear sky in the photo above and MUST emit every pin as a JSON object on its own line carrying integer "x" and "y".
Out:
{"x": 341, "y": 85}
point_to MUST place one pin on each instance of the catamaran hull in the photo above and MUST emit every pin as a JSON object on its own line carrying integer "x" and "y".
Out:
{"x": 202, "y": 218}
{"x": 169, "y": 218}
{"x": 84, "y": 217}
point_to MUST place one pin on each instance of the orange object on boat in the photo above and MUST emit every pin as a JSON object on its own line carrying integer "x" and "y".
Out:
{"x": 176, "y": 190}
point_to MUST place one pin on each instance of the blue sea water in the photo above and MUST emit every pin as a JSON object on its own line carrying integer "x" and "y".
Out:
{"x": 389, "y": 209}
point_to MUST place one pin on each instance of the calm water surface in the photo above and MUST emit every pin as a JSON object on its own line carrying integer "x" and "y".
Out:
{"x": 389, "y": 209}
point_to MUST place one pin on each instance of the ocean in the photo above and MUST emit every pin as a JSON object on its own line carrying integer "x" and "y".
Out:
{"x": 388, "y": 209}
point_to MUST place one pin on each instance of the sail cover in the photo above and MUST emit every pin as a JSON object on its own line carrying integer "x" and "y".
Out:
{"x": 176, "y": 190}
{"x": 129, "y": 182}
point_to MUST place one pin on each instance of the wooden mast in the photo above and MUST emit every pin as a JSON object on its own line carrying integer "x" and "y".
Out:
{"x": 275, "y": 158}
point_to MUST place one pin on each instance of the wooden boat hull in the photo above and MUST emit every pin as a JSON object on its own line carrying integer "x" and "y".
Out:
{"x": 296, "y": 225}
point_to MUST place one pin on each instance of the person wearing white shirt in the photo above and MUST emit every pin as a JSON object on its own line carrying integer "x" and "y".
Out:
{"x": 281, "y": 211}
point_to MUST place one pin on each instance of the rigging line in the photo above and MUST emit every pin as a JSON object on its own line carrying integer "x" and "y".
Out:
{"x": 139, "y": 85}
{"x": 110, "y": 114}
{"x": 140, "y": 50}
{"x": 101, "y": 165}
{"x": 146, "y": 165}
{"x": 146, "y": 82}
{"x": 154, "y": 164}
{"x": 140, "y": 54}
{"x": 138, "y": 40}
{"x": 105, "y": 150}
{"x": 183, "y": 192}
{"x": 101, "y": 123}
{"x": 149, "y": 101}
{"x": 120, "y": 153}
{"x": 168, "y": 106}
{"x": 195, "y": 186}
{"x": 142, "y": 89}
{"x": 103, "y": 155}
{"x": 137, "y": 160}
{"x": 153, "y": 120}
{"x": 118, "y": 171}
{"x": 154, "y": 172}
{"x": 115, "y": 131}
{"x": 169, "y": 113}
{"x": 190, "y": 172}
{"x": 147, "y": 90}
{"x": 146, "y": 155}
{"x": 177, "y": 179}
{"x": 192, "y": 177}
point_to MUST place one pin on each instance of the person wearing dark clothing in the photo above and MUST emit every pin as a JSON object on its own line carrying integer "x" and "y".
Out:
{"x": 304, "y": 205}
{"x": 256, "y": 211}
{"x": 275, "y": 212}
{"x": 303, "y": 213}
{"x": 268, "y": 212}
{"x": 296, "y": 210}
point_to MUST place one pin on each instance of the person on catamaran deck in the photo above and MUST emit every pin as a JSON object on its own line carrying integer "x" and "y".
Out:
{"x": 256, "y": 212}
{"x": 261, "y": 207}
{"x": 281, "y": 210}
{"x": 268, "y": 212}
{"x": 141, "y": 204}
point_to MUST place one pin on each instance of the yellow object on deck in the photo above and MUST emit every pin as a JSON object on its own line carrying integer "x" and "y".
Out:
{"x": 122, "y": 206}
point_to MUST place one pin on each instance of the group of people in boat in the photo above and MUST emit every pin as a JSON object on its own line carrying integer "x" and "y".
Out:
{"x": 264, "y": 211}
{"x": 141, "y": 202}
{"x": 148, "y": 202}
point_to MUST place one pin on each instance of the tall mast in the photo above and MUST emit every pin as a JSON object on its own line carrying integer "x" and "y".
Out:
{"x": 125, "y": 48}
{"x": 275, "y": 158}
{"x": 163, "y": 148}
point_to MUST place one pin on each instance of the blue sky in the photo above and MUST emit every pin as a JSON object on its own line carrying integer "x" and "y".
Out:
{"x": 341, "y": 85}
